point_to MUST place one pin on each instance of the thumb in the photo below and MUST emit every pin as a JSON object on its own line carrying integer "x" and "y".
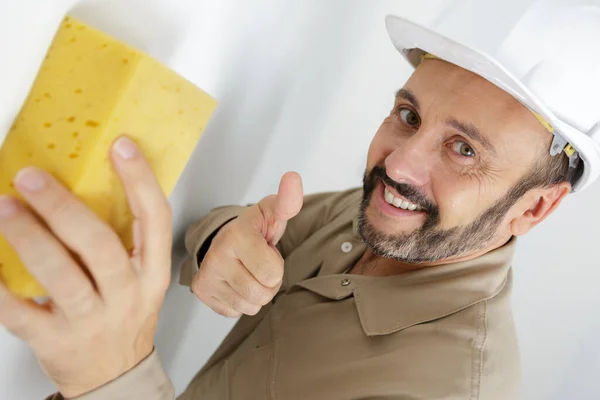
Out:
{"x": 289, "y": 197}
{"x": 288, "y": 204}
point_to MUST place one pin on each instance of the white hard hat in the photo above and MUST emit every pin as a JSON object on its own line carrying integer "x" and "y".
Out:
{"x": 546, "y": 53}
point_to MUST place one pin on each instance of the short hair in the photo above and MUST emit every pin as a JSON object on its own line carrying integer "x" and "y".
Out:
{"x": 546, "y": 172}
{"x": 556, "y": 169}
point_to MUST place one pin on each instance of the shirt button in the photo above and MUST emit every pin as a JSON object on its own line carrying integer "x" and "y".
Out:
{"x": 345, "y": 282}
{"x": 346, "y": 247}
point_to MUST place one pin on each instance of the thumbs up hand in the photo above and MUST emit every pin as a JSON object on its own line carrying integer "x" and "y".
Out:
{"x": 242, "y": 270}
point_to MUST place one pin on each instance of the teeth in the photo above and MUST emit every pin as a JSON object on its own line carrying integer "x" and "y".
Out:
{"x": 389, "y": 197}
{"x": 399, "y": 203}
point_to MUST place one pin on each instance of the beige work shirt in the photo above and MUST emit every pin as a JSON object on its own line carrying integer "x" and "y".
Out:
{"x": 442, "y": 332}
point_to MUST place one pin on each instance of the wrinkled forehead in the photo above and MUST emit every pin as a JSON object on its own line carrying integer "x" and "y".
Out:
{"x": 445, "y": 91}
{"x": 435, "y": 81}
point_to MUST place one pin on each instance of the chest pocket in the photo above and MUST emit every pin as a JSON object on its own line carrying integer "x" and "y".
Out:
{"x": 249, "y": 375}
{"x": 249, "y": 368}
{"x": 244, "y": 375}
{"x": 241, "y": 368}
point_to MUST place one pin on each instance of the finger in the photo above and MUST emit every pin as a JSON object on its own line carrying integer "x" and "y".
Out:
{"x": 150, "y": 208}
{"x": 233, "y": 300}
{"x": 215, "y": 304}
{"x": 245, "y": 284}
{"x": 252, "y": 250}
{"x": 289, "y": 197}
{"x": 208, "y": 284}
{"x": 221, "y": 308}
{"x": 77, "y": 227}
{"x": 23, "y": 318}
{"x": 47, "y": 259}
{"x": 279, "y": 209}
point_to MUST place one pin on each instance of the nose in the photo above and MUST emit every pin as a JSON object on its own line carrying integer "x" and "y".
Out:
{"x": 412, "y": 161}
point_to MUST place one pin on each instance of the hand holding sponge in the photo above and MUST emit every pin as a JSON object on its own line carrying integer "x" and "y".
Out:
{"x": 90, "y": 89}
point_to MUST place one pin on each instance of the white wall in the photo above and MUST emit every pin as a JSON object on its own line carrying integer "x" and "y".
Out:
{"x": 297, "y": 83}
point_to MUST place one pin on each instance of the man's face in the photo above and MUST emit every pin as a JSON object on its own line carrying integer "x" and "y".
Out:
{"x": 454, "y": 145}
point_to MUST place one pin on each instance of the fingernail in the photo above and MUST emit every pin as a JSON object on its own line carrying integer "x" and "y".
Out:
{"x": 125, "y": 148}
{"x": 7, "y": 206}
{"x": 30, "y": 179}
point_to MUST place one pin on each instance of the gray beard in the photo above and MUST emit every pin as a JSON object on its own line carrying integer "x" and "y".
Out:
{"x": 430, "y": 243}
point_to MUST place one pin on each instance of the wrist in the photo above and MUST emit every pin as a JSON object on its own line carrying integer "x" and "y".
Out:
{"x": 71, "y": 391}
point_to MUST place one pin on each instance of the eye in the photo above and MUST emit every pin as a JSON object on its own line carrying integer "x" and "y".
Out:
{"x": 463, "y": 149}
{"x": 409, "y": 117}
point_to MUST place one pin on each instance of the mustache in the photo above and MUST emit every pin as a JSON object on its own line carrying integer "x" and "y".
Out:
{"x": 409, "y": 192}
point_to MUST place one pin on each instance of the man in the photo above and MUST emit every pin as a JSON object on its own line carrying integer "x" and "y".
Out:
{"x": 396, "y": 291}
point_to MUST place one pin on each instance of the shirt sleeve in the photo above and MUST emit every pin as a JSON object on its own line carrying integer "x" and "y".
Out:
{"x": 147, "y": 381}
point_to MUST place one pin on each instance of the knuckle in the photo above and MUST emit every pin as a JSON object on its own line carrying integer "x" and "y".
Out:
{"x": 266, "y": 205}
{"x": 242, "y": 284}
{"x": 266, "y": 296}
{"x": 199, "y": 288}
{"x": 103, "y": 238}
{"x": 257, "y": 293}
{"x": 205, "y": 298}
{"x": 209, "y": 264}
{"x": 272, "y": 270}
{"x": 236, "y": 302}
{"x": 126, "y": 284}
{"x": 82, "y": 305}
{"x": 226, "y": 312}
{"x": 160, "y": 214}
{"x": 61, "y": 204}
{"x": 228, "y": 236}
{"x": 28, "y": 238}
{"x": 232, "y": 313}
{"x": 253, "y": 310}
{"x": 220, "y": 310}
{"x": 165, "y": 214}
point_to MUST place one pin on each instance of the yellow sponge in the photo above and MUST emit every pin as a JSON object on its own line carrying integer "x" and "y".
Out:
{"x": 91, "y": 89}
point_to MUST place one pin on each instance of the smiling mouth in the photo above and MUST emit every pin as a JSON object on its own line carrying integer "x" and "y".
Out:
{"x": 399, "y": 202}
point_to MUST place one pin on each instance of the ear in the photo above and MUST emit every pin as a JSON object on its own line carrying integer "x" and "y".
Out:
{"x": 540, "y": 204}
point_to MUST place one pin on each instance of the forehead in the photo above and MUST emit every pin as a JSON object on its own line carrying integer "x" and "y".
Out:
{"x": 444, "y": 91}
{"x": 436, "y": 80}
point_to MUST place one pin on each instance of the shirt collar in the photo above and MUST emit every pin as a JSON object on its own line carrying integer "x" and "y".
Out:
{"x": 390, "y": 304}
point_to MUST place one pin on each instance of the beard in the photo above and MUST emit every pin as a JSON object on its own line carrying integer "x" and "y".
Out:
{"x": 430, "y": 242}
